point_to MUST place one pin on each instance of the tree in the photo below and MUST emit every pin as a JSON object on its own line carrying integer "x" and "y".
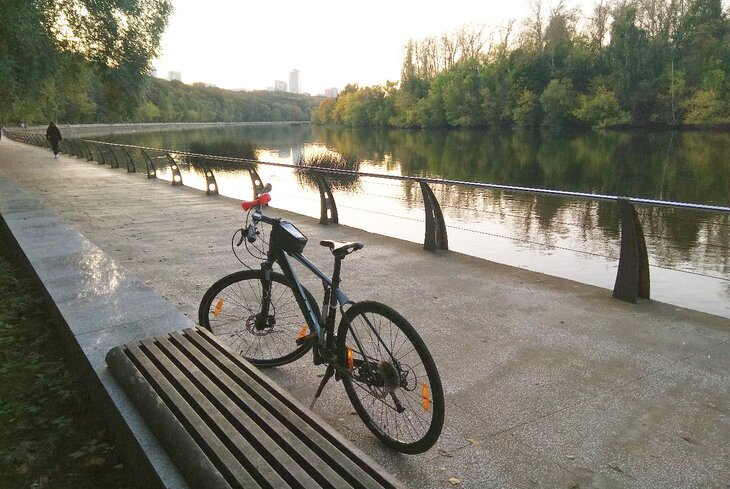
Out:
{"x": 528, "y": 111}
{"x": 702, "y": 40}
{"x": 601, "y": 109}
{"x": 558, "y": 103}
{"x": 45, "y": 42}
{"x": 628, "y": 57}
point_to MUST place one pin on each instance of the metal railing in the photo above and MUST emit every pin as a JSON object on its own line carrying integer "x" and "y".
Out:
{"x": 632, "y": 278}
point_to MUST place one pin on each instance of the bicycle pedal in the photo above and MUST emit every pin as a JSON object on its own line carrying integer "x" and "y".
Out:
{"x": 311, "y": 337}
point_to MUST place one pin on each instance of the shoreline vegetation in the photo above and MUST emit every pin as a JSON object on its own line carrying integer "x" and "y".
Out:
{"x": 51, "y": 435}
{"x": 619, "y": 64}
{"x": 627, "y": 64}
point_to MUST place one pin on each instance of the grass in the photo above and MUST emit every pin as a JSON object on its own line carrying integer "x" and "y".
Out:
{"x": 50, "y": 437}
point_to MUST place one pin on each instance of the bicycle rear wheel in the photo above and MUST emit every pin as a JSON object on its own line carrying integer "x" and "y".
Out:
{"x": 231, "y": 309}
{"x": 393, "y": 384}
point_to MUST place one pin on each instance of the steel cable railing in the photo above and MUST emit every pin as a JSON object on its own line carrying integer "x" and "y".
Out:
{"x": 632, "y": 279}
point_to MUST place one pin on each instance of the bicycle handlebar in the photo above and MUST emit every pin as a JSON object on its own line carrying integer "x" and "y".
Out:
{"x": 261, "y": 200}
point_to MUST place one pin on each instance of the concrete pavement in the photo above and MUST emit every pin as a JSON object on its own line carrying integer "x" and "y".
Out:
{"x": 548, "y": 383}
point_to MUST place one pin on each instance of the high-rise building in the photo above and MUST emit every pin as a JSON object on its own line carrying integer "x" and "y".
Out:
{"x": 331, "y": 92}
{"x": 174, "y": 75}
{"x": 279, "y": 86}
{"x": 295, "y": 82}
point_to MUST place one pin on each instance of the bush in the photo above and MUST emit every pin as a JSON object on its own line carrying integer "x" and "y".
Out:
{"x": 558, "y": 103}
{"x": 601, "y": 109}
{"x": 707, "y": 107}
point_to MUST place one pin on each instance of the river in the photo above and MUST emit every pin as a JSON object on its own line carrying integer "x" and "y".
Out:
{"x": 689, "y": 251}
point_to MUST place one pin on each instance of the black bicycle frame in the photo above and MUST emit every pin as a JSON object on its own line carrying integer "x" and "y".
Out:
{"x": 333, "y": 297}
{"x": 333, "y": 294}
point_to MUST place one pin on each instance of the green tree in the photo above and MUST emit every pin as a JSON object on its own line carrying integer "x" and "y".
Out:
{"x": 558, "y": 103}
{"x": 707, "y": 107}
{"x": 109, "y": 44}
{"x": 527, "y": 111}
{"x": 601, "y": 109}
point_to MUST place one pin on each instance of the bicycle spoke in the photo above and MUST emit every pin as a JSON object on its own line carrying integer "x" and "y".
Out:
{"x": 234, "y": 312}
{"x": 391, "y": 385}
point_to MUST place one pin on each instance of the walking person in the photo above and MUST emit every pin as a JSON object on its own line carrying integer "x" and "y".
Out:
{"x": 53, "y": 134}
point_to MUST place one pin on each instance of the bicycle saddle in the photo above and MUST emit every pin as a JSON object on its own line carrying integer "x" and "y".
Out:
{"x": 339, "y": 248}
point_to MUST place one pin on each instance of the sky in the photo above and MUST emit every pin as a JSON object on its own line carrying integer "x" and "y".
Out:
{"x": 238, "y": 44}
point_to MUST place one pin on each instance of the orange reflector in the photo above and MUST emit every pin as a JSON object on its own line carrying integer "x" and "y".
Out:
{"x": 424, "y": 395}
{"x": 218, "y": 307}
{"x": 350, "y": 361}
{"x": 302, "y": 332}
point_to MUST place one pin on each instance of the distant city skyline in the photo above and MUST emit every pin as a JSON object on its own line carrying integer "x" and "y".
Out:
{"x": 243, "y": 45}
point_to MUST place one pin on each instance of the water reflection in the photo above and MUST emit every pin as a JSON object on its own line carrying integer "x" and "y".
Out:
{"x": 332, "y": 161}
{"x": 580, "y": 236}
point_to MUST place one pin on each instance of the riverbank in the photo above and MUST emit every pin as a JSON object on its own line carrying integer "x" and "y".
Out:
{"x": 84, "y": 130}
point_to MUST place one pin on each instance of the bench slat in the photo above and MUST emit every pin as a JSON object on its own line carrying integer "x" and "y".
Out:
{"x": 243, "y": 437}
{"x": 338, "y": 451}
{"x": 231, "y": 421}
{"x": 237, "y": 399}
{"x": 211, "y": 446}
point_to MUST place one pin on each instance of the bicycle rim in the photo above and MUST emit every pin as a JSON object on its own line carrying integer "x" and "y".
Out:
{"x": 229, "y": 309}
{"x": 393, "y": 384}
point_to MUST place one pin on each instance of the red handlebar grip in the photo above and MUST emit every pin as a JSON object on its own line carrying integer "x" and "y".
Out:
{"x": 262, "y": 199}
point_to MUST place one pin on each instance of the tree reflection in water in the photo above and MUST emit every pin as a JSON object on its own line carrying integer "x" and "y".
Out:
{"x": 333, "y": 161}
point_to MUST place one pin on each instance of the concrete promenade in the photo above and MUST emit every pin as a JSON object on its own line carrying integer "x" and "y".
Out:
{"x": 548, "y": 383}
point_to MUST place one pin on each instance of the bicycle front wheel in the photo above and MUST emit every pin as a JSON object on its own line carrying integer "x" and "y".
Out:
{"x": 231, "y": 310}
{"x": 393, "y": 383}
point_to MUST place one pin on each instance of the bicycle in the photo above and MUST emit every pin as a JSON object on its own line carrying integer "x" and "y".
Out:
{"x": 271, "y": 319}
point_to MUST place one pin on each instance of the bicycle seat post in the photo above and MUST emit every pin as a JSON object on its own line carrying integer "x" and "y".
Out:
{"x": 336, "y": 272}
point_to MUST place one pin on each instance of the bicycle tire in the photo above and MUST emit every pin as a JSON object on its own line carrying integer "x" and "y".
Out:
{"x": 240, "y": 294}
{"x": 416, "y": 429}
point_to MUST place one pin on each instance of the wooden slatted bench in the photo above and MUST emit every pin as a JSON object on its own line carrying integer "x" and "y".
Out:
{"x": 225, "y": 424}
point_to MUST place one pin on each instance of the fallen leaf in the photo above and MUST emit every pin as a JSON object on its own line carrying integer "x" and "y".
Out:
{"x": 473, "y": 441}
{"x": 570, "y": 457}
{"x": 711, "y": 406}
{"x": 454, "y": 481}
{"x": 444, "y": 453}
{"x": 23, "y": 469}
{"x": 97, "y": 461}
{"x": 442, "y": 468}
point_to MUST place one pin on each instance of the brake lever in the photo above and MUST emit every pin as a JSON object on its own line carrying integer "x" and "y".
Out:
{"x": 242, "y": 236}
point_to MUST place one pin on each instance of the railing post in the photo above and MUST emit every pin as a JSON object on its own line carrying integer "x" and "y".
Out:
{"x": 115, "y": 162}
{"x": 73, "y": 150}
{"x": 101, "y": 149}
{"x": 89, "y": 154}
{"x": 258, "y": 185}
{"x": 632, "y": 278}
{"x": 76, "y": 148}
{"x": 131, "y": 168}
{"x": 176, "y": 176}
{"x": 211, "y": 186}
{"x": 327, "y": 205}
{"x": 151, "y": 170}
{"x": 436, "y": 237}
